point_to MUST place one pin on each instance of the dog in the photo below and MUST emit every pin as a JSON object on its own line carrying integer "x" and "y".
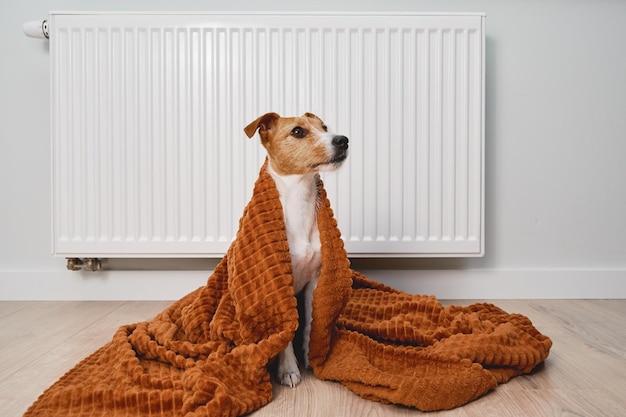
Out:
{"x": 298, "y": 149}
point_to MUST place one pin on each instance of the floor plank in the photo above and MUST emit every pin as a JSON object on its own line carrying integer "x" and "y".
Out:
{"x": 46, "y": 355}
{"x": 10, "y": 307}
{"x": 583, "y": 376}
{"x": 48, "y": 324}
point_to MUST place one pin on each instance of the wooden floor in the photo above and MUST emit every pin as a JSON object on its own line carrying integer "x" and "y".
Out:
{"x": 585, "y": 374}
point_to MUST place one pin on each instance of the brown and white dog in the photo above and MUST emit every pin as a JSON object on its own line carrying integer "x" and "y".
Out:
{"x": 298, "y": 149}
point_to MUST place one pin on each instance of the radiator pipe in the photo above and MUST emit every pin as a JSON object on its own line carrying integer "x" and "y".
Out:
{"x": 88, "y": 264}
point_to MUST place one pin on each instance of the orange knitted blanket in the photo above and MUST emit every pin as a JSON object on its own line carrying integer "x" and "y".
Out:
{"x": 208, "y": 353}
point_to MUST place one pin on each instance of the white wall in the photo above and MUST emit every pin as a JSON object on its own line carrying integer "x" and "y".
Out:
{"x": 556, "y": 158}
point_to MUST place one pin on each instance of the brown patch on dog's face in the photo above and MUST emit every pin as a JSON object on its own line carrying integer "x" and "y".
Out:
{"x": 295, "y": 145}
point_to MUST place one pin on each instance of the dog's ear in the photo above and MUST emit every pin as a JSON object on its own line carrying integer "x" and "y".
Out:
{"x": 263, "y": 123}
{"x": 312, "y": 116}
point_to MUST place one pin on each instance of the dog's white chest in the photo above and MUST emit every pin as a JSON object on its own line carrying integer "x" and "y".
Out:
{"x": 298, "y": 196}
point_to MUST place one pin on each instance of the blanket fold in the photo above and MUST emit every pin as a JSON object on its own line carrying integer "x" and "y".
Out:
{"x": 208, "y": 353}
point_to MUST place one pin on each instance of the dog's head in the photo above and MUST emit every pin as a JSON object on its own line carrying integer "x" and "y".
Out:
{"x": 299, "y": 145}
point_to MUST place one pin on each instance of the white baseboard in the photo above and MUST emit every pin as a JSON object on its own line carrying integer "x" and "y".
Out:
{"x": 445, "y": 284}
{"x": 507, "y": 284}
{"x": 102, "y": 285}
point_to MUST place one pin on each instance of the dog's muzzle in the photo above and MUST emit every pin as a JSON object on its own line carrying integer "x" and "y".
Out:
{"x": 340, "y": 143}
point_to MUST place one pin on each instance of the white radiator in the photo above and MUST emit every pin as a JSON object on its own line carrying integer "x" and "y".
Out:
{"x": 149, "y": 155}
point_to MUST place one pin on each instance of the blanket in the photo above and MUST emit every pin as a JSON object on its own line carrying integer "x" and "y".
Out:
{"x": 208, "y": 354}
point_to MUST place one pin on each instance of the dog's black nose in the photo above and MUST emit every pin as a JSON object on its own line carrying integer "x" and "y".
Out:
{"x": 340, "y": 142}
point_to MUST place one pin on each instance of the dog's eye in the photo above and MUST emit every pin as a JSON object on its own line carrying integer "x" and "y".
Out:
{"x": 298, "y": 132}
{"x": 325, "y": 128}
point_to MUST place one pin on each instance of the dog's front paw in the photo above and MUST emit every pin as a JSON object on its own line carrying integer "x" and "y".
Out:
{"x": 290, "y": 379}
{"x": 288, "y": 371}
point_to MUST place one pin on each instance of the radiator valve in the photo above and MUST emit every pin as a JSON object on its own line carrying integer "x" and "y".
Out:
{"x": 36, "y": 29}
{"x": 88, "y": 264}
